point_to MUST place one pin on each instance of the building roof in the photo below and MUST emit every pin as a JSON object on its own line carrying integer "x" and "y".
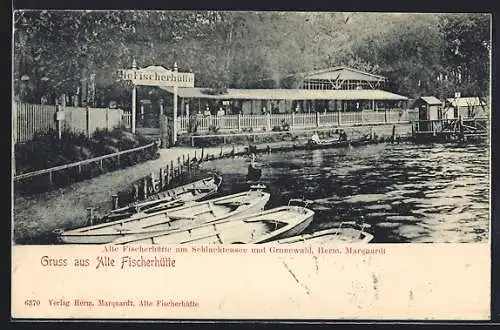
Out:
{"x": 465, "y": 101}
{"x": 343, "y": 73}
{"x": 290, "y": 94}
{"x": 334, "y": 73}
{"x": 430, "y": 100}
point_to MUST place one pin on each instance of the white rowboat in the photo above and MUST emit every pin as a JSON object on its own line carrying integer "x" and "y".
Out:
{"x": 248, "y": 202}
{"x": 342, "y": 234}
{"x": 276, "y": 223}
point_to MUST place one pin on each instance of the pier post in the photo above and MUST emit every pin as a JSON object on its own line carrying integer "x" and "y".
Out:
{"x": 162, "y": 178}
{"x": 317, "y": 119}
{"x": 153, "y": 181}
{"x": 188, "y": 165}
{"x": 221, "y": 153}
{"x": 339, "y": 121}
{"x": 135, "y": 192}
{"x": 114, "y": 202}
{"x": 179, "y": 172}
{"x": 90, "y": 216}
{"x": 293, "y": 121}
{"x": 239, "y": 122}
{"x": 145, "y": 188}
{"x": 167, "y": 177}
{"x": 202, "y": 152}
{"x": 195, "y": 159}
{"x": 172, "y": 170}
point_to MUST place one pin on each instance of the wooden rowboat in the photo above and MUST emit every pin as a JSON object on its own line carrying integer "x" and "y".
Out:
{"x": 190, "y": 191}
{"x": 347, "y": 233}
{"x": 168, "y": 199}
{"x": 213, "y": 210}
{"x": 335, "y": 143}
{"x": 276, "y": 223}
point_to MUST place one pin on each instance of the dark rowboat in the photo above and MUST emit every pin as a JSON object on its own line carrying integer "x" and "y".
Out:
{"x": 335, "y": 143}
{"x": 179, "y": 196}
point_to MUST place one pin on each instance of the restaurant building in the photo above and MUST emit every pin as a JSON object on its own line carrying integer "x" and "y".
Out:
{"x": 337, "y": 89}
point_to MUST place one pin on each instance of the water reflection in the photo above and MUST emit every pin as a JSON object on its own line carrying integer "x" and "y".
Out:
{"x": 409, "y": 193}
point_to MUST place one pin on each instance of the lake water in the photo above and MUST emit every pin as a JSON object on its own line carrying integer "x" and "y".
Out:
{"x": 408, "y": 193}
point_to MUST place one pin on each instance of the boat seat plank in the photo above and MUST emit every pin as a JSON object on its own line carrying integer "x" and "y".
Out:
{"x": 197, "y": 238}
{"x": 181, "y": 217}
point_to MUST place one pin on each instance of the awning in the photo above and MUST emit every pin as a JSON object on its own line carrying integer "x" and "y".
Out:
{"x": 289, "y": 94}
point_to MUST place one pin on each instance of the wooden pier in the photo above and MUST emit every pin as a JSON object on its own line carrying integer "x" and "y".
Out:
{"x": 460, "y": 129}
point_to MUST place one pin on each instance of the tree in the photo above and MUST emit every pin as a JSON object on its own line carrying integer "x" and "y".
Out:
{"x": 467, "y": 46}
{"x": 56, "y": 49}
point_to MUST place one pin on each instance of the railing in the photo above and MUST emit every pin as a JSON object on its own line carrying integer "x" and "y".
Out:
{"x": 51, "y": 170}
{"x": 451, "y": 125}
{"x": 242, "y": 123}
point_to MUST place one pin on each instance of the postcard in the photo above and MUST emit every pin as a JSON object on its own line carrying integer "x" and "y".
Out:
{"x": 241, "y": 165}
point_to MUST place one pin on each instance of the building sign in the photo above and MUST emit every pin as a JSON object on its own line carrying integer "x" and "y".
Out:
{"x": 157, "y": 76}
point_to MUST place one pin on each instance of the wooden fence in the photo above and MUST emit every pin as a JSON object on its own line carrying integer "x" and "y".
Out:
{"x": 32, "y": 118}
{"x": 294, "y": 121}
{"x": 127, "y": 119}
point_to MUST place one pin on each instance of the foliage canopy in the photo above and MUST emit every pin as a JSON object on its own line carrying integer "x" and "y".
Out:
{"x": 54, "y": 51}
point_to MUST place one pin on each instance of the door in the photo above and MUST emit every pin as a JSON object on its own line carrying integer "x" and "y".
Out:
{"x": 422, "y": 112}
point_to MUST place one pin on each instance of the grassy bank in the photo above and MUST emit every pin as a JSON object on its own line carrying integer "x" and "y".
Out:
{"x": 46, "y": 150}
